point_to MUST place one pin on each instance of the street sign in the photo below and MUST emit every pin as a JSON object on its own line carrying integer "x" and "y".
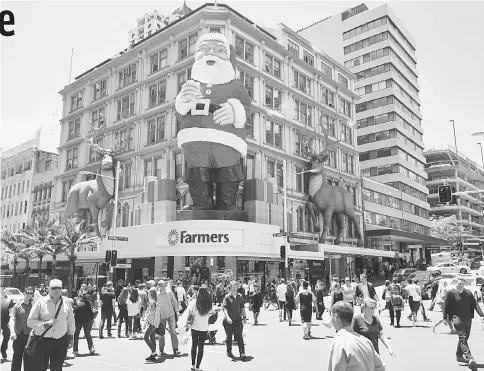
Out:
{"x": 117, "y": 238}
{"x": 123, "y": 266}
{"x": 281, "y": 234}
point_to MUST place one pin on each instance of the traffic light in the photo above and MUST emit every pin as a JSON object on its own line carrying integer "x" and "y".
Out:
{"x": 114, "y": 258}
{"x": 107, "y": 259}
{"x": 445, "y": 194}
{"x": 283, "y": 252}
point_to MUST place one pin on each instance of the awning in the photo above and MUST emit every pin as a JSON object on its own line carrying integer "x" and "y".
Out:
{"x": 407, "y": 237}
{"x": 319, "y": 251}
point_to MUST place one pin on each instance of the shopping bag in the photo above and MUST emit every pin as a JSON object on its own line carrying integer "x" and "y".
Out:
{"x": 244, "y": 331}
{"x": 183, "y": 335}
{"x": 327, "y": 319}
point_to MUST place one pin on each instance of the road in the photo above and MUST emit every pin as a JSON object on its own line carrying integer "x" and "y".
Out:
{"x": 275, "y": 346}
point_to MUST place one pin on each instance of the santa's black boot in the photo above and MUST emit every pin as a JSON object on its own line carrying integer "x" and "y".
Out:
{"x": 202, "y": 195}
{"x": 226, "y": 196}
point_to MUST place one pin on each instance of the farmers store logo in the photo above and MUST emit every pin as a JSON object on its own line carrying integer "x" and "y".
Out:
{"x": 189, "y": 238}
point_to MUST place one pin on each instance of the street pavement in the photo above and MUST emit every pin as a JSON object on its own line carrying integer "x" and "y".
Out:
{"x": 273, "y": 345}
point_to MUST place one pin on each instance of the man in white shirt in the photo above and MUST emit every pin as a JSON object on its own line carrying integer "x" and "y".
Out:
{"x": 181, "y": 296}
{"x": 281, "y": 296}
{"x": 350, "y": 351}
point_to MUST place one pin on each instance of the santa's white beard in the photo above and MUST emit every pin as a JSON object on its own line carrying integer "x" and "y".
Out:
{"x": 221, "y": 72}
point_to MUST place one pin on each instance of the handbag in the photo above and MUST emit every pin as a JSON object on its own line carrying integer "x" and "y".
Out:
{"x": 327, "y": 319}
{"x": 251, "y": 307}
{"x": 33, "y": 339}
{"x": 190, "y": 319}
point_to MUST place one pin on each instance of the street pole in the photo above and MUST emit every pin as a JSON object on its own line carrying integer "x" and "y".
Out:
{"x": 285, "y": 229}
{"x": 482, "y": 155}
{"x": 116, "y": 192}
{"x": 455, "y": 139}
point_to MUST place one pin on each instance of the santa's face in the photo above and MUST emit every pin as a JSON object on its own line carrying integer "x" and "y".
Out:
{"x": 212, "y": 63}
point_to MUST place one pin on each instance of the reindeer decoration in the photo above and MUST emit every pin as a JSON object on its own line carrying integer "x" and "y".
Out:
{"x": 329, "y": 199}
{"x": 94, "y": 195}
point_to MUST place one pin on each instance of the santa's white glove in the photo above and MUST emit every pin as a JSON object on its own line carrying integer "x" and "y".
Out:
{"x": 225, "y": 115}
{"x": 189, "y": 91}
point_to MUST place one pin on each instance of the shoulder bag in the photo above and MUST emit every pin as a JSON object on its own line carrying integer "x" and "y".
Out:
{"x": 33, "y": 339}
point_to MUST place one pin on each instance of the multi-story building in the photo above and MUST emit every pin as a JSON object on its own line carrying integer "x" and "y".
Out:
{"x": 447, "y": 166}
{"x": 20, "y": 171}
{"x": 378, "y": 49}
{"x": 133, "y": 96}
{"x": 150, "y": 23}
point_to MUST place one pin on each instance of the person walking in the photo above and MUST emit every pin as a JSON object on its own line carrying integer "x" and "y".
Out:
{"x": 414, "y": 298}
{"x": 181, "y": 297}
{"x": 133, "y": 305}
{"x": 336, "y": 295}
{"x": 348, "y": 291}
{"x": 6, "y": 305}
{"x": 143, "y": 297}
{"x": 84, "y": 318}
{"x": 152, "y": 323}
{"x": 434, "y": 289}
{"x": 395, "y": 306}
{"x": 235, "y": 317}
{"x": 52, "y": 317}
{"x": 256, "y": 302}
{"x": 168, "y": 312}
{"x": 123, "y": 311}
{"x": 440, "y": 300}
{"x": 199, "y": 312}
{"x": 108, "y": 300}
{"x": 305, "y": 299}
{"x": 290, "y": 301}
{"x": 19, "y": 331}
{"x": 349, "y": 350}
{"x": 364, "y": 290}
{"x": 459, "y": 308}
{"x": 319, "y": 294}
{"x": 368, "y": 325}
{"x": 281, "y": 297}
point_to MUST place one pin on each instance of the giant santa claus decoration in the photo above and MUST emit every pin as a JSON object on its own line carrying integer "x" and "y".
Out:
{"x": 213, "y": 107}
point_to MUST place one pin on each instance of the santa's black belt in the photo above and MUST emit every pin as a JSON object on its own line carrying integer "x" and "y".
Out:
{"x": 201, "y": 106}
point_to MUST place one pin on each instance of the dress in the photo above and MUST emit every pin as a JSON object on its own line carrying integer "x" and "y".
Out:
{"x": 290, "y": 304}
{"x": 256, "y": 301}
{"x": 306, "y": 301}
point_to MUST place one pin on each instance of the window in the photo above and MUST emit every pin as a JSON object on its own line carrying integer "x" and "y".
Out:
{"x": 273, "y": 134}
{"x": 76, "y": 101}
{"x": 346, "y": 134}
{"x": 98, "y": 117}
{"x": 249, "y": 126}
{"x": 344, "y": 107}
{"x": 158, "y": 167}
{"x": 366, "y": 42}
{"x": 272, "y": 66}
{"x": 364, "y": 28}
{"x": 348, "y": 161}
{"x": 327, "y": 70}
{"x": 157, "y": 93}
{"x": 186, "y": 46}
{"x": 74, "y": 128}
{"x": 244, "y": 49}
{"x": 178, "y": 165}
{"x": 100, "y": 89}
{"x": 331, "y": 161}
{"x": 273, "y": 98}
{"x": 159, "y": 60}
{"x": 124, "y": 139}
{"x": 250, "y": 166}
{"x": 126, "y": 180}
{"x": 280, "y": 175}
{"x": 183, "y": 77}
{"x": 125, "y": 106}
{"x": 327, "y": 96}
{"x": 156, "y": 129}
{"x": 343, "y": 81}
{"x": 303, "y": 142}
{"x": 271, "y": 169}
{"x": 72, "y": 158}
{"x": 302, "y": 82}
{"x": 217, "y": 29}
{"x": 303, "y": 112}
{"x": 94, "y": 155}
{"x": 293, "y": 48}
{"x": 248, "y": 81}
{"x": 127, "y": 76}
{"x": 299, "y": 180}
{"x": 148, "y": 168}
{"x": 308, "y": 58}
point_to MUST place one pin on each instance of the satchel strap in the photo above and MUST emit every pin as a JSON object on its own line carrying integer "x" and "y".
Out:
{"x": 55, "y": 317}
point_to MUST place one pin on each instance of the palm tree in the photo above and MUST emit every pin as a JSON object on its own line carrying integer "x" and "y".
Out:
{"x": 72, "y": 239}
{"x": 42, "y": 233}
{"x": 11, "y": 245}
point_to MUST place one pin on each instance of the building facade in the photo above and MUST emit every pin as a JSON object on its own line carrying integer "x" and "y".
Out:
{"x": 378, "y": 49}
{"x": 133, "y": 96}
{"x": 447, "y": 166}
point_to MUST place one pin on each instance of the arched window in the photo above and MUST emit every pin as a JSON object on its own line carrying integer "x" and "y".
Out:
{"x": 300, "y": 217}
{"x": 125, "y": 214}
{"x": 306, "y": 220}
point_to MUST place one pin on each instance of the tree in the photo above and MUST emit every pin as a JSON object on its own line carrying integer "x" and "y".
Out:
{"x": 13, "y": 246}
{"x": 73, "y": 238}
{"x": 447, "y": 228}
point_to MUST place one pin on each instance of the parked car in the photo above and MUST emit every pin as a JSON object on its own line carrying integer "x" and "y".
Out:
{"x": 14, "y": 294}
{"x": 402, "y": 274}
{"x": 423, "y": 279}
{"x": 449, "y": 268}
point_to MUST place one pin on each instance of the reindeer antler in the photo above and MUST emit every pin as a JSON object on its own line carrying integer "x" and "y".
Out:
{"x": 328, "y": 144}
{"x": 121, "y": 144}
{"x": 306, "y": 145}
{"x": 90, "y": 140}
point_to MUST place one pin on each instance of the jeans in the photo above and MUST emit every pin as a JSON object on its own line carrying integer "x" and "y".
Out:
{"x": 18, "y": 354}
{"x": 132, "y": 324}
{"x": 53, "y": 350}
{"x": 172, "y": 330}
{"x": 394, "y": 313}
{"x": 6, "y": 337}
{"x": 106, "y": 315}
{"x": 123, "y": 316}
{"x": 282, "y": 306}
{"x": 234, "y": 329}
{"x": 198, "y": 342}
{"x": 150, "y": 338}
{"x": 87, "y": 326}
{"x": 463, "y": 328}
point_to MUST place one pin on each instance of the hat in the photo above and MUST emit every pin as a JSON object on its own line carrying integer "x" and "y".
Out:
{"x": 55, "y": 283}
{"x": 214, "y": 37}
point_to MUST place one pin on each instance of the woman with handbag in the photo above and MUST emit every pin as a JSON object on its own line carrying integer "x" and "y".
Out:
{"x": 290, "y": 304}
{"x": 255, "y": 303}
{"x": 199, "y": 312}
{"x": 152, "y": 322}
{"x": 84, "y": 318}
{"x": 123, "y": 310}
{"x": 133, "y": 305}
{"x": 396, "y": 302}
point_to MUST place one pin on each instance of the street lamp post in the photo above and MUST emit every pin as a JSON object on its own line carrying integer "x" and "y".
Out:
{"x": 115, "y": 216}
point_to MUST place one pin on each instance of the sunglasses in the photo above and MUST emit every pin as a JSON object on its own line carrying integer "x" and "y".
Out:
{"x": 29, "y": 293}
{"x": 56, "y": 288}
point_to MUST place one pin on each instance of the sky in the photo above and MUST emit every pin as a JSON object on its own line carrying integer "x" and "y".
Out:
{"x": 35, "y": 62}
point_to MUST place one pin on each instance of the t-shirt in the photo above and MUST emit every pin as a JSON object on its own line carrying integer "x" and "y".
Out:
{"x": 348, "y": 293}
{"x": 458, "y": 304}
{"x": 369, "y": 330}
{"x": 200, "y": 323}
{"x": 180, "y": 293}
{"x": 107, "y": 300}
{"x": 365, "y": 291}
{"x": 6, "y": 304}
{"x": 233, "y": 305}
{"x": 281, "y": 292}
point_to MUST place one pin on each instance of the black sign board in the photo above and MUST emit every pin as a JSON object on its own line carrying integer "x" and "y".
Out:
{"x": 117, "y": 238}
